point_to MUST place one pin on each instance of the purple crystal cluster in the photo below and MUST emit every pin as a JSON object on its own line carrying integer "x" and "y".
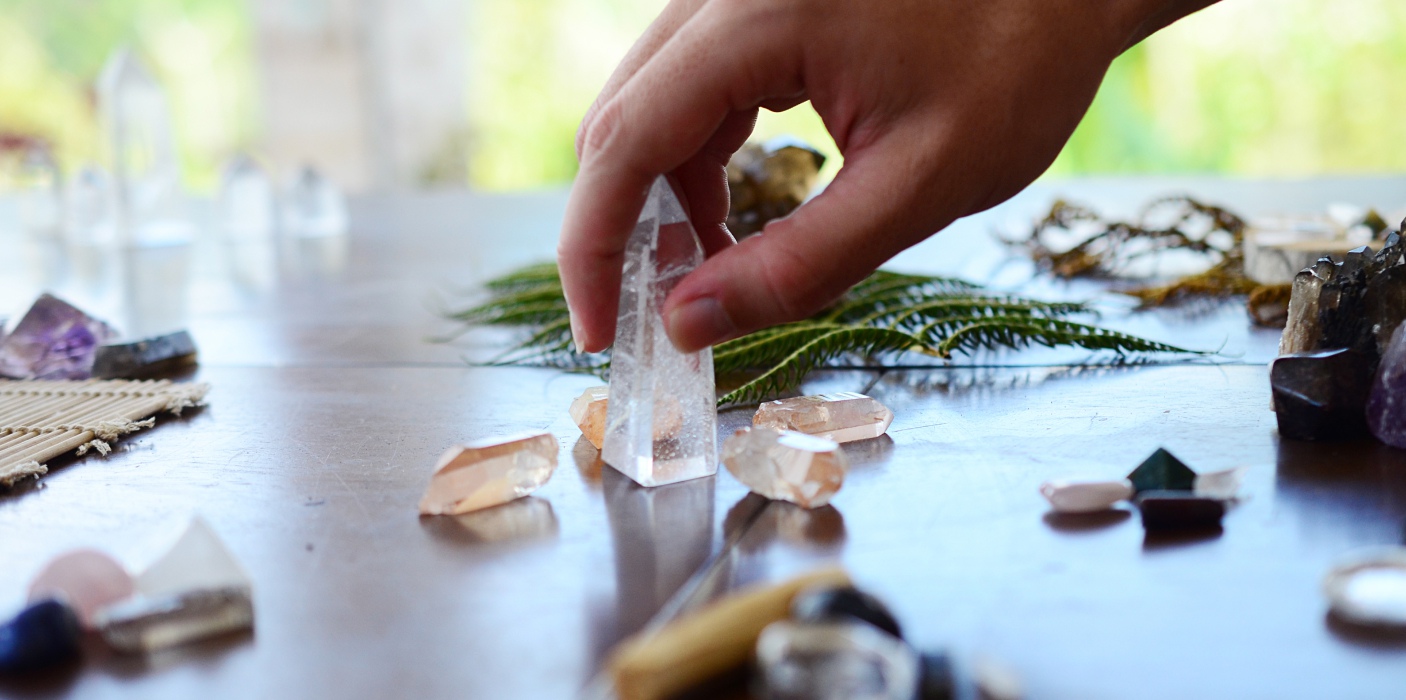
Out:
{"x": 1386, "y": 405}
{"x": 54, "y": 340}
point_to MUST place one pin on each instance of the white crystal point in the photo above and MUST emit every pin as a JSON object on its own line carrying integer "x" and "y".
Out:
{"x": 661, "y": 422}
{"x": 1085, "y": 495}
{"x": 489, "y": 472}
{"x": 1224, "y": 484}
{"x": 198, "y": 560}
{"x": 787, "y": 466}
{"x": 842, "y": 417}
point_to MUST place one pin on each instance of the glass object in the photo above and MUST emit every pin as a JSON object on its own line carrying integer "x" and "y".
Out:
{"x": 834, "y": 661}
{"x": 313, "y": 206}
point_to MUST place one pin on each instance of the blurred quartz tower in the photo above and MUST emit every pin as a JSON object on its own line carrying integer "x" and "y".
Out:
{"x": 140, "y": 150}
{"x": 370, "y": 91}
{"x": 246, "y": 202}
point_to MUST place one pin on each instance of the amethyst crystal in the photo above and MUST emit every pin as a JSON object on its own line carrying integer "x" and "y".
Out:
{"x": 1386, "y": 406}
{"x": 54, "y": 340}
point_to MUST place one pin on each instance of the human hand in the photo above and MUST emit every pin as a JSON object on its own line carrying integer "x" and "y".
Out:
{"x": 941, "y": 109}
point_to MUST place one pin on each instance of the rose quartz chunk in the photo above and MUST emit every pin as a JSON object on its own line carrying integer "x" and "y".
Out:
{"x": 787, "y": 466}
{"x": 489, "y": 473}
{"x": 842, "y": 417}
{"x": 86, "y": 579}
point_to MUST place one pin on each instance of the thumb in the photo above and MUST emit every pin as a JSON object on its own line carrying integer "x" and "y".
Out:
{"x": 873, "y": 209}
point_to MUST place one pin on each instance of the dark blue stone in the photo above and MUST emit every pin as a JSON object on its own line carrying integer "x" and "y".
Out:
{"x": 42, "y": 635}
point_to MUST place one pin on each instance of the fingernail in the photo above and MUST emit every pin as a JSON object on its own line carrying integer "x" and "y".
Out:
{"x": 576, "y": 336}
{"x": 699, "y": 323}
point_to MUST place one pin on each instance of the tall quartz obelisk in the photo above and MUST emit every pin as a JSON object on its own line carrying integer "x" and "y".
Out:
{"x": 661, "y": 423}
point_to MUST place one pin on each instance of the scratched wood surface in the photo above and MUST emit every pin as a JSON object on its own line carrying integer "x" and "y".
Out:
{"x": 329, "y": 406}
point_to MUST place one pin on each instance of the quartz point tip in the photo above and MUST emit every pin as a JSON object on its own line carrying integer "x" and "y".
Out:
{"x": 787, "y": 466}
{"x": 198, "y": 560}
{"x": 490, "y": 472}
{"x": 842, "y": 417}
{"x": 661, "y": 419}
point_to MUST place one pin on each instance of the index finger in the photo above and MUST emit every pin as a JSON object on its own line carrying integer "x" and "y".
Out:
{"x": 659, "y": 119}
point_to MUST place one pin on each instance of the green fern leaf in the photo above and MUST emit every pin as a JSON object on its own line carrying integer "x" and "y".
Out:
{"x": 817, "y": 351}
{"x": 1010, "y": 333}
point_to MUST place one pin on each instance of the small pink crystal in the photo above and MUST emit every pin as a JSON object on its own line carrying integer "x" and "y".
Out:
{"x": 88, "y": 580}
{"x": 842, "y": 417}
{"x": 588, "y": 411}
{"x": 489, "y": 472}
{"x": 785, "y": 465}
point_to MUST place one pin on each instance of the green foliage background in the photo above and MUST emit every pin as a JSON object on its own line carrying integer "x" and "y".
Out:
{"x": 1247, "y": 87}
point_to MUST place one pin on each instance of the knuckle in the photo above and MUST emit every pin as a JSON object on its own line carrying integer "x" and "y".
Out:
{"x": 598, "y": 130}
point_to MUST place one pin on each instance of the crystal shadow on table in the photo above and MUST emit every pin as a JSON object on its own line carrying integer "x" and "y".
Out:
{"x": 1354, "y": 491}
{"x": 522, "y": 521}
{"x": 662, "y": 537}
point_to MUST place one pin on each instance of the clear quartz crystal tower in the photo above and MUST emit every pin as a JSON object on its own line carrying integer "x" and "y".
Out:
{"x": 661, "y": 423}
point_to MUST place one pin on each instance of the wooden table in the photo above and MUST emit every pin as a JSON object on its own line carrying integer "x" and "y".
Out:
{"x": 329, "y": 408}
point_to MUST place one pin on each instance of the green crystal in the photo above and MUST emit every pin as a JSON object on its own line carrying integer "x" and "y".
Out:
{"x": 1162, "y": 472}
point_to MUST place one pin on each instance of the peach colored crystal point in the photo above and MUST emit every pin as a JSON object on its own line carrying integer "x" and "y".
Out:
{"x": 842, "y": 417}
{"x": 785, "y": 465}
{"x": 88, "y": 580}
{"x": 588, "y": 412}
{"x": 489, "y": 472}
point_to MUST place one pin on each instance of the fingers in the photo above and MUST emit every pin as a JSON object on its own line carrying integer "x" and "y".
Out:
{"x": 800, "y": 264}
{"x": 674, "y": 15}
{"x": 661, "y": 118}
{"x": 703, "y": 181}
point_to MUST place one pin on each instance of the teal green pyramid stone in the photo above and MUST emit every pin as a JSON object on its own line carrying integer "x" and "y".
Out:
{"x": 1162, "y": 472}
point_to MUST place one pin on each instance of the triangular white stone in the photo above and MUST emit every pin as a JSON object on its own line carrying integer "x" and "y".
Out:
{"x": 198, "y": 560}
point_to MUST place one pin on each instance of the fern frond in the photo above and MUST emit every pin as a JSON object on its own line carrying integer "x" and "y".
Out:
{"x": 887, "y": 289}
{"x": 1011, "y": 333}
{"x": 529, "y": 314}
{"x": 541, "y": 274}
{"x": 818, "y": 351}
{"x": 769, "y": 349}
{"x": 914, "y": 315}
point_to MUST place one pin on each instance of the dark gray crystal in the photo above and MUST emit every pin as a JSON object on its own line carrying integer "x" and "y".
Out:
{"x": 144, "y": 358}
{"x": 1164, "y": 511}
{"x": 1322, "y": 395}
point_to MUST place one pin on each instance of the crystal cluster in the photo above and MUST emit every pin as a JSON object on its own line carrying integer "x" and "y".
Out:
{"x": 784, "y": 465}
{"x": 661, "y": 420}
{"x": 54, "y": 340}
{"x": 1337, "y": 348}
{"x": 842, "y": 417}
{"x": 489, "y": 473}
{"x": 768, "y": 181}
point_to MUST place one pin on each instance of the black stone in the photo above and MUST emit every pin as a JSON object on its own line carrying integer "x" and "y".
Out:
{"x": 1162, "y": 472}
{"x": 145, "y": 358}
{"x": 44, "y": 634}
{"x": 935, "y": 678}
{"x": 1322, "y": 396}
{"x": 1164, "y": 511}
{"x": 829, "y": 604}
